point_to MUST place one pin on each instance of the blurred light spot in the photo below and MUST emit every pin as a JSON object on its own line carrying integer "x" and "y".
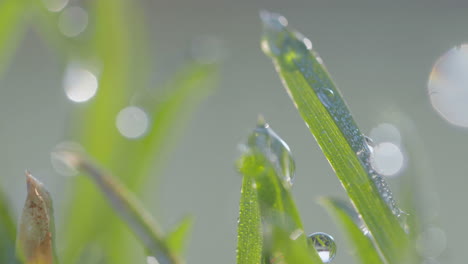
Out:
{"x": 430, "y": 261}
{"x": 132, "y": 122}
{"x": 60, "y": 163}
{"x": 72, "y": 21}
{"x": 385, "y": 132}
{"x": 431, "y": 242}
{"x": 80, "y": 84}
{"x": 151, "y": 260}
{"x": 207, "y": 50}
{"x": 387, "y": 159}
{"x": 448, "y": 86}
{"x": 55, "y": 5}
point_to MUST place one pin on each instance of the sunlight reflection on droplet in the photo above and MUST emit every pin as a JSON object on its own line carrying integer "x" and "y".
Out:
{"x": 385, "y": 132}
{"x": 151, "y": 260}
{"x": 72, "y": 21}
{"x": 79, "y": 84}
{"x": 132, "y": 122}
{"x": 431, "y": 242}
{"x": 60, "y": 163}
{"x": 55, "y": 5}
{"x": 448, "y": 86}
{"x": 387, "y": 159}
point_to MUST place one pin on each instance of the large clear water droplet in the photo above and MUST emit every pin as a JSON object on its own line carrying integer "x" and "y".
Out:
{"x": 324, "y": 244}
{"x": 275, "y": 149}
{"x": 448, "y": 86}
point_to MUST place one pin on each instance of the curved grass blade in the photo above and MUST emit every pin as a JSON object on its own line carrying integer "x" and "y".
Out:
{"x": 282, "y": 230}
{"x": 7, "y": 232}
{"x": 127, "y": 206}
{"x": 185, "y": 91}
{"x": 35, "y": 241}
{"x": 177, "y": 239}
{"x": 346, "y": 216}
{"x": 249, "y": 226}
{"x": 320, "y": 104}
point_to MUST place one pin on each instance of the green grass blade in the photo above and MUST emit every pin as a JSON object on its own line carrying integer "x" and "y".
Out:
{"x": 7, "y": 232}
{"x": 178, "y": 238}
{"x": 264, "y": 163}
{"x": 320, "y": 104}
{"x": 249, "y": 227}
{"x": 127, "y": 206}
{"x": 13, "y": 14}
{"x": 183, "y": 93}
{"x": 361, "y": 245}
{"x": 35, "y": 241}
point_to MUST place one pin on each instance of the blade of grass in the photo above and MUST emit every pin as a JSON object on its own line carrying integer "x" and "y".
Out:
{"x": 267, "y": 161}
{"x": 319, "y": 102}
{"x": 127, "y": 206}
{"x": 361, "y": 245}
{"x": 7, "y": 232}
{"x": 177, "y": 239}
{"x": 13, "y": 15}
{"x": 278, "y": 213}
{"x": 249, "y": 226}
{"x": 185, "y": 91}
{"x": 113, "y": 45}
{"x": 35, "y": 240}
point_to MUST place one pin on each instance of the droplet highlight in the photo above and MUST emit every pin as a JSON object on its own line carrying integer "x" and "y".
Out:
{"x": 80, "y": 84}
{"x": 275, "y": 149}
{"x": 448, "y": 86}
{"x": 387, "y": 159}
{"x": 324, "y": 244}
{"x": 73, "y": 21}
{"x": 132, "y": 122}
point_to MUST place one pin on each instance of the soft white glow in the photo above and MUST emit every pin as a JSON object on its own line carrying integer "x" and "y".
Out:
{"x": 431, "y": 242}
{"x": 207, "y": 50}
{"x": 55, "y": 5}
{"x": 385, "y": 132}
{"x": 132, "y": 122}
{"x": 72, "y": 21}
{"x": 79, "y": 84}
{"x": 387, "y": 158}
{"x": 151, "y": 260}
{"x": 62, "y": 163}
{"x": 448, "y": 86}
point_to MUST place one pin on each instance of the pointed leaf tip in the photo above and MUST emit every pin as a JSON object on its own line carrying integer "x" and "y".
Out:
{"x": 36, "y": 228}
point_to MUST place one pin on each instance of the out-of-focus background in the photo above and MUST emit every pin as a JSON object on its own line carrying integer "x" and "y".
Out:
{"x": 379, "y": 55}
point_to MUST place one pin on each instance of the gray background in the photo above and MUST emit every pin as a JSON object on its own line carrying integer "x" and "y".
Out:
{"x": 380, "y": 56}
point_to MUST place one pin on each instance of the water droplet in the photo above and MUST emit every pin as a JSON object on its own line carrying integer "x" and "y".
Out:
{"x": 55, "y": 5}
{"x": 431, "y": 242}
{"x": 387, "y": 159}
{"x": 132, "y": 122}
{"x": 448, "y": 86}
{"x": 73, "y": 21}
{"x": 386, "y": 132}
{"x": 324, "y": 244}
{"x": 327, "y": 97}
{"x": 79, "y": 84}
{"x": 151, "y": 260}
{"x": 275, "y": 149}
{"x": 63, "y": 163}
